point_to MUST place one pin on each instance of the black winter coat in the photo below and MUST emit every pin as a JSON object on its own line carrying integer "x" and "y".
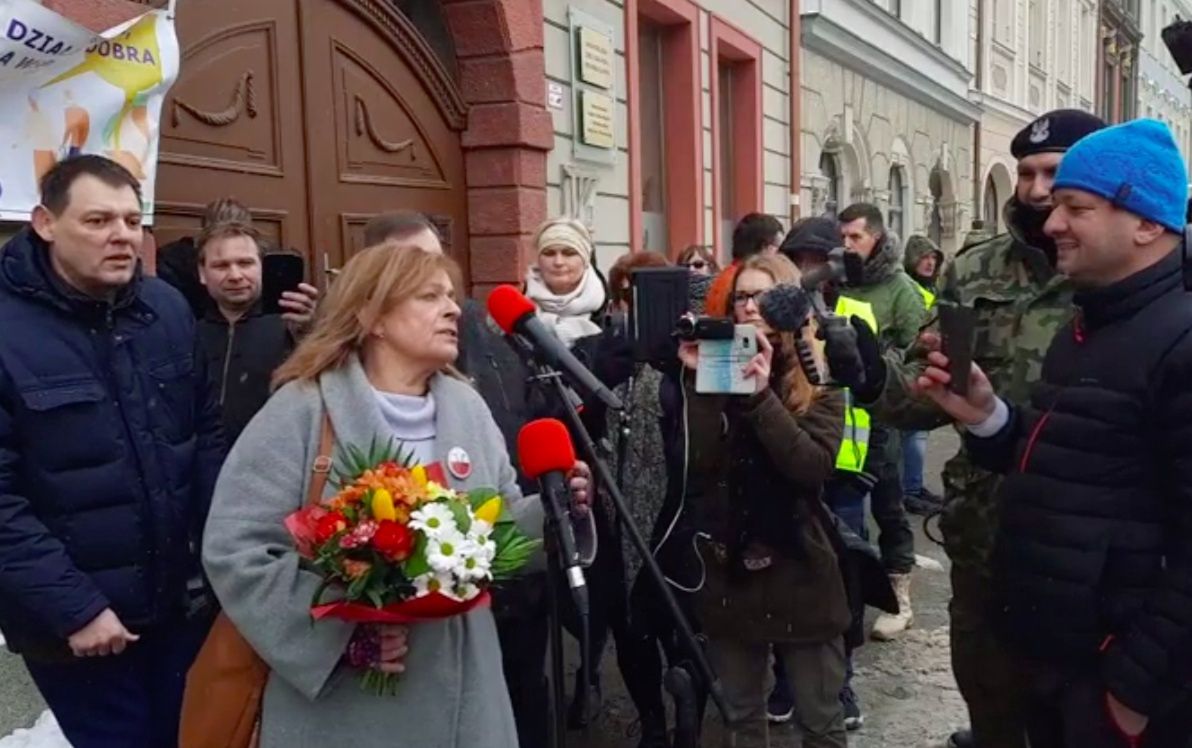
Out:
{"x": 1093, "y": 563}
{"x": 110, "y": 445}
{"x": 241, "y": 358}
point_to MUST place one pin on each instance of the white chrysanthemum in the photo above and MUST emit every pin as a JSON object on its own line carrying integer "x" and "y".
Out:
{"x": 479, "y": 531}
{"x": 432, "y": 582}
{"x": 463, "y": 591}
{"x": 445, "y": 552}
{"x": 434, "y": 519}
{"x": 486, "y": 551}
{"x": 473, "y": 566}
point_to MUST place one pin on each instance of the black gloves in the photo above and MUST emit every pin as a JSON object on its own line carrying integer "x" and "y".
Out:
{"x": 854, "y": 357}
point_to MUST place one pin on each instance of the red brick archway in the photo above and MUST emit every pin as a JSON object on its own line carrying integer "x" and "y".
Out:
{"x": 499, "y": 46}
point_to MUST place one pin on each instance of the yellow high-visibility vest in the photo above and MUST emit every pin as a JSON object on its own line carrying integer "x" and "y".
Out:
{"x": 928, "y": 296}
{"x": 854, "y": 447}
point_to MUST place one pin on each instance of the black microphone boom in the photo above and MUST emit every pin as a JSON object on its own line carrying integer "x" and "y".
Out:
{"x": 548, "y": 350}
{"x": 556, "y": 497}
{"x": 842, "y": 265}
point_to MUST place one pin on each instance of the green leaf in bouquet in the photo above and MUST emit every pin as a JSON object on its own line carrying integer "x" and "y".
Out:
{"x": 360, "y": 585}
{"x": 376, "y": 596}
{"x": 417, "y": 564}
{"x": 512, "y": 555}
{"x": 477, "y": 497}
{"x": 317, "y": 598}
{"x": 462, "y": 515}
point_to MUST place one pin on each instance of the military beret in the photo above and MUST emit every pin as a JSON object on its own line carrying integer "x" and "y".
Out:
{"x": 1054, "y": 132}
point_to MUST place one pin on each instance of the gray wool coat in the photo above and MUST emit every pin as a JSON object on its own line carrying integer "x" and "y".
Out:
{"x": 453, "y": 693}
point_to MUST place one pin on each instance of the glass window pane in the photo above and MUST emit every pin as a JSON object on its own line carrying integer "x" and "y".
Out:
{"x": 653, "y": 152}
{"x": 728, "y": 162}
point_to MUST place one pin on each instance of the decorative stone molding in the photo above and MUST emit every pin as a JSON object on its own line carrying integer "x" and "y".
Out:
{"x": 579, "y": 194}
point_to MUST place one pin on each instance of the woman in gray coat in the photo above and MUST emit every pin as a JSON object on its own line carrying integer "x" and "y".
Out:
{"x": 378, "y": 362}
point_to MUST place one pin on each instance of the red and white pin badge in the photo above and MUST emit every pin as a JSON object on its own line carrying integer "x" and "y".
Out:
{"x": 459, "y": 464}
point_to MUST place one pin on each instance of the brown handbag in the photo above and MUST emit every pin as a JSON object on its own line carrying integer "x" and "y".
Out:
{"x": 221, "y": 707}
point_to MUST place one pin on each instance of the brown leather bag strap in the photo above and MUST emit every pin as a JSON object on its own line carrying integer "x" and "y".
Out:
{"x": 320, "y": 469}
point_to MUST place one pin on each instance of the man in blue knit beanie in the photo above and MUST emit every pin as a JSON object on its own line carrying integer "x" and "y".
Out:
{"x": 1093, "y": 566}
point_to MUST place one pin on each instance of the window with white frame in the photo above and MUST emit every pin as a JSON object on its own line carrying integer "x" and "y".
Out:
{"x": 991, "y": 208}
{"x": 895, "y": 218}
{"x": 1063, "y": 44}
{"x": 830, "y": 170}
{"x": 1037, "y": 33}
{"x": 1003, "y": 21}
{"x": 653, "y": 142}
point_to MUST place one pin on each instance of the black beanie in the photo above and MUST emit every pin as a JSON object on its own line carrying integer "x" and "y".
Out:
{"x": 812, "y": 236}
{"x": 1054, "y": 132}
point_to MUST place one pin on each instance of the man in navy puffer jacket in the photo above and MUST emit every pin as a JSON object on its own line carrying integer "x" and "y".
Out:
{"x": 110, "y": 444}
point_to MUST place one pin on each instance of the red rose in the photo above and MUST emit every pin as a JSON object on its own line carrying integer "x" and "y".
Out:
{"x": 328, "y": 525}
{"x": 393, "y": 540}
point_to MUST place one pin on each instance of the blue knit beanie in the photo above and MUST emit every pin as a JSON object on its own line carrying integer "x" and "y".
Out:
{"x": 1136, "y": 166}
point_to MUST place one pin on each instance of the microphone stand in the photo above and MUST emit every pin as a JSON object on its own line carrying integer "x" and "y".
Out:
{"x": 552, "y": 380}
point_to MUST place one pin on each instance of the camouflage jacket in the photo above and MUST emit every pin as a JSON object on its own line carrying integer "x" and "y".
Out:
{"x": 1020, "y": 304}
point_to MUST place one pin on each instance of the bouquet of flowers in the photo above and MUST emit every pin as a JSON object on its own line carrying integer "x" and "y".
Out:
{"x": 395, "y": 545}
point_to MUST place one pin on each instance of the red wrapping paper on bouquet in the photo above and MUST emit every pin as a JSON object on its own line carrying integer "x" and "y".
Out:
{"x": 433, "y": 607}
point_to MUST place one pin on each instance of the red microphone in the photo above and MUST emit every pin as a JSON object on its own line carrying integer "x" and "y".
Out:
{"x": 546, "y": 454}
{"x": 517, "y": 315}
{"x": 544, "y": 446}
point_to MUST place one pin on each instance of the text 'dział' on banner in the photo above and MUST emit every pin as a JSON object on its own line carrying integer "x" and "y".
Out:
{"x": 65, "y": 90}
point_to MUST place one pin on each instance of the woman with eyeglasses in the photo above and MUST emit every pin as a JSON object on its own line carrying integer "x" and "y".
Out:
{"x": 698, "y": 259}
{"x": 749, "y": 538}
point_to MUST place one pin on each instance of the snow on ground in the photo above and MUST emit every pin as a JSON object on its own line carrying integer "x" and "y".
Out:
{"x": 43, "y": 734}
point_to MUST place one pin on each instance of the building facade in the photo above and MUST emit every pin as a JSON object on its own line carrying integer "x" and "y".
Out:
{"x": 886, "y": 113}
{"x": 657, "y": 122}
{"x": 1117, "y": 60}
{"x": 699, "y": 132}
{"x": 1162, "y": 92}
{"x": 1029, "y": 57}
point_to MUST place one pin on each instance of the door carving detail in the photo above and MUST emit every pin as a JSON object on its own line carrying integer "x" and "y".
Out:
{"x": 244, "y": 101}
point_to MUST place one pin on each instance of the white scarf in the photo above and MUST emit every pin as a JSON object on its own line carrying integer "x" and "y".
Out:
{"x": 568, "y": 315}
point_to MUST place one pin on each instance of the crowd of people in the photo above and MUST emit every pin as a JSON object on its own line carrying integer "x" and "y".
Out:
{"x": 156, "y": 432}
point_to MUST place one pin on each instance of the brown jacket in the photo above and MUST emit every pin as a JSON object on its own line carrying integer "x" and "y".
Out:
{"x": 762, "y": 471}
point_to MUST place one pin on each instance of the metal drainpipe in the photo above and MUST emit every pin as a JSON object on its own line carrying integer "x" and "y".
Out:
{"x": 796, "y": 111}
{"x": 979, "y": 80}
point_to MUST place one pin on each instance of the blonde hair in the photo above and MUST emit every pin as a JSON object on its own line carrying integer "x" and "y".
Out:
{"x": 370, "y": 285}
{"x": 796, "y": 390}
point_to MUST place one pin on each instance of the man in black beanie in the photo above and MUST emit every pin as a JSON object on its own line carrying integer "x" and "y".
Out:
{"x": 1020, "y": 302}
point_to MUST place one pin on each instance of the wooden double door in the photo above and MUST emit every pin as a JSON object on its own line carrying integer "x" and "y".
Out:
{"x": 317, "y": 114}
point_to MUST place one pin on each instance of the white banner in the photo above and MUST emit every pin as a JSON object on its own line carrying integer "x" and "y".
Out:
{"x": 65, "y": 91}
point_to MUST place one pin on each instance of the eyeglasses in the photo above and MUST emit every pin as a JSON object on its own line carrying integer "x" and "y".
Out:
{"x": 741, "y": 298}
{"x": 697, "y": 264}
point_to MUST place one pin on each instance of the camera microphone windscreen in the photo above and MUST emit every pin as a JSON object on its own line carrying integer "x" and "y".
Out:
{"x": 544, "y": 446}
{"x": 785, "y": 307}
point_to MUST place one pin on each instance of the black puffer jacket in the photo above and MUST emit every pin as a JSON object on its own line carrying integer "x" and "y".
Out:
{"x": 1093, "y": 563}
{"x": 110, "y": 445}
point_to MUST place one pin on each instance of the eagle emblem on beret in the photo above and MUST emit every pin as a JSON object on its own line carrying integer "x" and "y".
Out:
{"x": 1040, "y": 130}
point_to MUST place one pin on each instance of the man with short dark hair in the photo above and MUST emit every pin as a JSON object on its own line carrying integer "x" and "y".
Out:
{"x": 900, "y": 312}
{"x": 1092, "y": 568}
{"x": 755, "y": 234}
{"x": 110, "y": 444}
{"x": 243, "y": 344}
